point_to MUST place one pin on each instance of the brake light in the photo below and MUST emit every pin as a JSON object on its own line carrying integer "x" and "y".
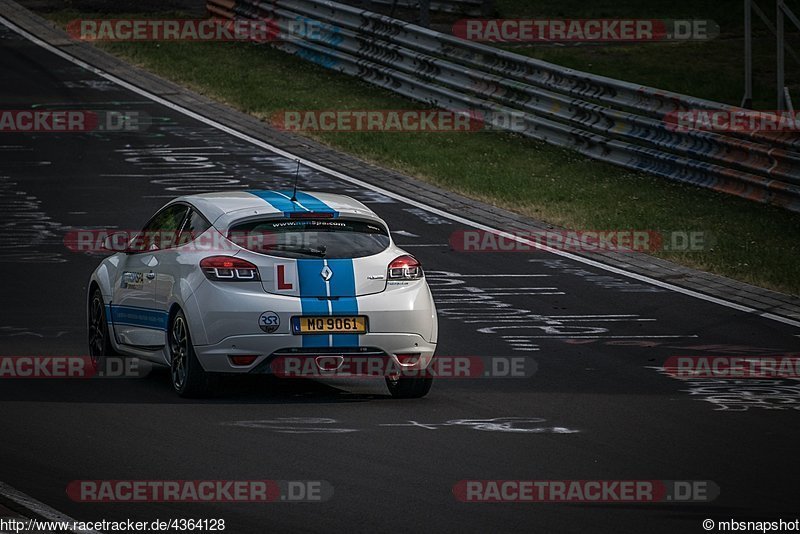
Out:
{"x": 405, "y": 268}
{"x": 229, "y": 269}
{"x": 311, "y": 214}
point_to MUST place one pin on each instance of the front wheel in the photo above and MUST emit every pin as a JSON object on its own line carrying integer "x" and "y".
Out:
{"x": 189, "y": 379}
{"x": 409, "y": 387}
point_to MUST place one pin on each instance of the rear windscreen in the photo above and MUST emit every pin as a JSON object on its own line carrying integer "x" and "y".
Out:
{"x": 311, "y": 238}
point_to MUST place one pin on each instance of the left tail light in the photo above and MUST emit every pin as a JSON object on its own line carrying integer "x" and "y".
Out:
{"x": 229, "y": 269}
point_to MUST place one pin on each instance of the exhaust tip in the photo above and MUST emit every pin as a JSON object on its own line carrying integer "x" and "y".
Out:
{"x": 329, "y": 363}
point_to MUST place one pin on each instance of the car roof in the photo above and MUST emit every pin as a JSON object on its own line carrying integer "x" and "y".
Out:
{"x": 228, "y": 206}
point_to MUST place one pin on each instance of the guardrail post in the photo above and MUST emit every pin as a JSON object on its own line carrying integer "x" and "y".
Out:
{"x": 747, "y": 99}
{"x": 781, "y": 55}
{"x": 425, "y": 13}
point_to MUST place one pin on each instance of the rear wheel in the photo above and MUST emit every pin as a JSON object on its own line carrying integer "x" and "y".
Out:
{"x": 409, "y": 387}
{"x": 189, "y": 379}
{"x": 100, "y": 348}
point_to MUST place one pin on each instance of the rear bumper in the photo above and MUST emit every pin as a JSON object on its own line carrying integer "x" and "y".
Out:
{"x": 226, "y": 320}
{"x": 218, "y": 311}
{"x": 267, "y": 347}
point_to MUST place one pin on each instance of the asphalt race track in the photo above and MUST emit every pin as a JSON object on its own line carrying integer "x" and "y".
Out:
{"x": 599, "y": 406}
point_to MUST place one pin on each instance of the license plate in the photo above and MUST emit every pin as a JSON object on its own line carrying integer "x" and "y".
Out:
{"x": 329, "y": 325}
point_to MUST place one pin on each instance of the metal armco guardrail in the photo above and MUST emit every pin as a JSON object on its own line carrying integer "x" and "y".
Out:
{"x": 461, "y": 7}
{"x": 603, "y": 118}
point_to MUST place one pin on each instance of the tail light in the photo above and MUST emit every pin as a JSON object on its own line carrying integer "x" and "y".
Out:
{"x": 229, "y": 269}
{"x": 405, "y": 268}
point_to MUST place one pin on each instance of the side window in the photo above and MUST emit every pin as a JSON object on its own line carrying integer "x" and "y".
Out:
{"x": 162, "y": 230}
{"x": 195, "y": 225}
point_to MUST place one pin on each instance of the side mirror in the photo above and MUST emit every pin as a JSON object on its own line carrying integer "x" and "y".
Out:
{"x": 116, "y": 242}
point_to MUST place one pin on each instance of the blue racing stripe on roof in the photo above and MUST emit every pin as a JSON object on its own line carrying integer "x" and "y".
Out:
{"x": 306, "y": 203}
{"x": 313, "y": 203}
{"x": 280, "y": 202}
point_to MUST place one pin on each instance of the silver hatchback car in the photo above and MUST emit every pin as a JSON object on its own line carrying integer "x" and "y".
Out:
{"x": 235, "y": 282}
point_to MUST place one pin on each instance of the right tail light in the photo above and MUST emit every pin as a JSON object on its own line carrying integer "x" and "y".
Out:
{"x": 405, "y": 268}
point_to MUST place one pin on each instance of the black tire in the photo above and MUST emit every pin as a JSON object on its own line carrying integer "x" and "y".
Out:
{"x": 99, "y": 339}
{"x": 409, "y": 387}
{"x": 189, "y": 379}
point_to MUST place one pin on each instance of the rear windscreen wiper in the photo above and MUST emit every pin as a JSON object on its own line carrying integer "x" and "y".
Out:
{"x": 308, "y": 251}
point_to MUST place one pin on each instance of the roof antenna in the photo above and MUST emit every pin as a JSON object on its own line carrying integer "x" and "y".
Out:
{"x": 296, "y": 177}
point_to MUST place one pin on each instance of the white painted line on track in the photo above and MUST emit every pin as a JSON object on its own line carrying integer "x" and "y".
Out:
{"x": 578, "y": 336}
{"x": 38, "y": 508}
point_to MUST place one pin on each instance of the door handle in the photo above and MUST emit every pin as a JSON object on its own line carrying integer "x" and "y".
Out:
{"x": 151, "y": 275}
